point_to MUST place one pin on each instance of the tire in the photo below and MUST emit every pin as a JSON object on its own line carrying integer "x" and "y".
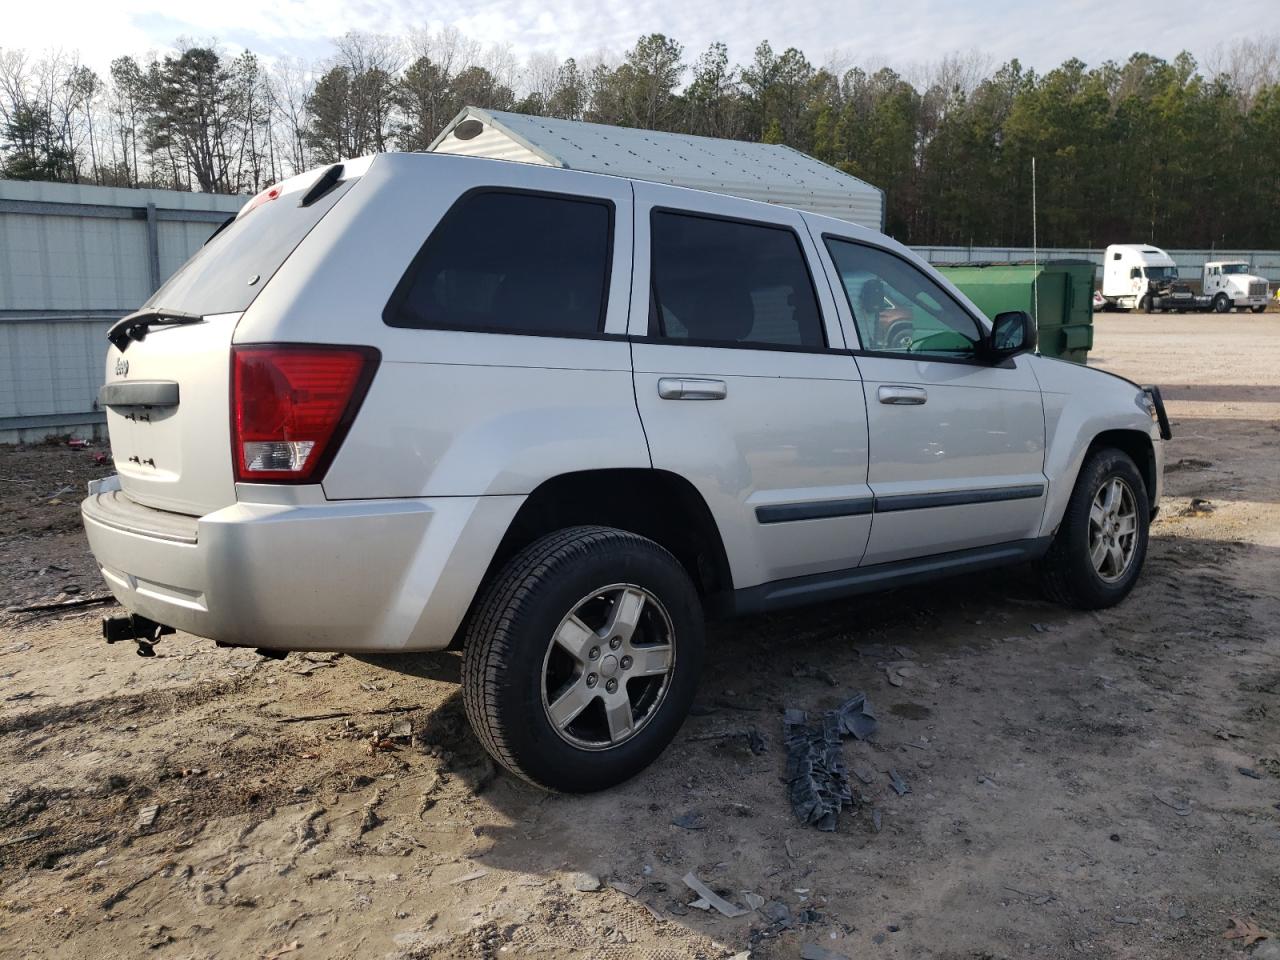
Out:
{"x": 1067, "y": 572}
{"x": 1259, "y": 309}
{"x": 511, "y": 661}
{"x": 1221, "y": 304}
{"x": 1144, "y": 305}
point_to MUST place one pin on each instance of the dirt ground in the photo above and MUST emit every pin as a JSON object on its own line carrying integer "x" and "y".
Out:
{"x": 1099, "y": 785}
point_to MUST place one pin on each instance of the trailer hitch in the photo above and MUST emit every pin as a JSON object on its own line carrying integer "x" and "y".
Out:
{"x": 142, "y": 631}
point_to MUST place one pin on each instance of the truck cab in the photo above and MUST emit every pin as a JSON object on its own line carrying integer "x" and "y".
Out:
{"x": 1230, "y": 283}
{"x": 1143, "y": 277}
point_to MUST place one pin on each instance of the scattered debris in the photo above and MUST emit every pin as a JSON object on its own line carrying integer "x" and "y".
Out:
{"x": 476, "y": 875}
{"x": 627, "y": 889}
{"x": 1182, "y": 810}
{"x": 1198, "y": 507}
{"x": 693, "y": 820}
{"x": 147, "y": 816}
{"x": 756, "y": 742}
{"x": 338, "y": 715}
{"x": 1177, "y": 911}
{"x": 722, "y": 906}
{"x": 586, "y": 882}
{"x": 900, "y": 786}
{"x": 753, "y": 900}
{"x": 818, "y": 783}
{"x": 1187, "y": 463}
{"x": 811, "y": 951}
{"x": 1130, "y": 921}
{"x": 63, "y": 604}
{"x": 1246, "y": 931}
{"x": 276, "y": 954}
{"x": 1249, "y": 772}
{"x": 805, "y": 671}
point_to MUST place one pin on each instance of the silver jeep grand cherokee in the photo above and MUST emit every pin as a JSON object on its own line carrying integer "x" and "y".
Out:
{"x": 417, "y": 401}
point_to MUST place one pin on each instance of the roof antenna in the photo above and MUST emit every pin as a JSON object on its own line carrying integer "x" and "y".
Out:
{"x": 1035, "y": 246}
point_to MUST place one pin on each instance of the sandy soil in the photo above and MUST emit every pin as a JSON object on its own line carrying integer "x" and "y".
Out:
{"x": 1075, "y": 784}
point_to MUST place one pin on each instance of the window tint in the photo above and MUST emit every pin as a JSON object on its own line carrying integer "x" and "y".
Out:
{"x": 511, "y": 263}
{"x": 898, "y": 308}
{"x": 730, "y": 282}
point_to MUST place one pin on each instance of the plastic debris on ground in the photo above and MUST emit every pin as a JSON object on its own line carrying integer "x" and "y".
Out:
{"x": 817, "y": 779}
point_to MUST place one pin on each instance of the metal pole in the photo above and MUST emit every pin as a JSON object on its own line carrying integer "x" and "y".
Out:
{"x": 153, "y": 246}
{"x": 1035, "y": 245}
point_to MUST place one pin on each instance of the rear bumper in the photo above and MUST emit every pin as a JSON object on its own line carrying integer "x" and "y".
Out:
{"x": 370, "y": 575}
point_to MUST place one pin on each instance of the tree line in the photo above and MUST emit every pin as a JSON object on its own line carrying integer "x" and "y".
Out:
{"x": 1177, "y": 152}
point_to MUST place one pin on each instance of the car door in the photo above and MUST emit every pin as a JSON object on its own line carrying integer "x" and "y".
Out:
{"x": 743, "y": 383}
{"x": 956, "y": 444}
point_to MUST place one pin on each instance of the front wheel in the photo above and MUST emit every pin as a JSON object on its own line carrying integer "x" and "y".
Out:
{"x": 1259, "y": 309}
{"x": 1144, "y": 305}
{"x": 1221, "y": 304}
{"x": 582, "y": 657}
{"x": 1101, "y": 544}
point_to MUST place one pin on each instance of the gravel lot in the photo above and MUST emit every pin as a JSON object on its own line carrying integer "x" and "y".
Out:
{"x": 1099, "y": 785}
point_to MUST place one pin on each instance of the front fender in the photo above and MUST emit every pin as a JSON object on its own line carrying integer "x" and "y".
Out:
{"x": 1081, "y": 404}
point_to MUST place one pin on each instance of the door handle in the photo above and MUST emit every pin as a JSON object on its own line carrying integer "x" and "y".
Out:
{"x": 902, "y": 396}
{"x": 685, "y": 388}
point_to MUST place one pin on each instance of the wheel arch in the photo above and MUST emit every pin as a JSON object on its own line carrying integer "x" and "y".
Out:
{"x": 658, "y": 504}
{"x": 1136, "y": 444}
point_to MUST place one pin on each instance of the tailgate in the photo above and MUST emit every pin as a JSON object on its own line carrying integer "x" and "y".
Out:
{"x": 168, "y": 412}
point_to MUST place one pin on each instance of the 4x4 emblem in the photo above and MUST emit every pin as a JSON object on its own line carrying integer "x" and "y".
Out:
{"x": 122, "y": 367}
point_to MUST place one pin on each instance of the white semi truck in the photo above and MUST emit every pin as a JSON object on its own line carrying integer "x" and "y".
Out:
{"x": 1143, "y": 277}
{"x": 1229, "y": 283}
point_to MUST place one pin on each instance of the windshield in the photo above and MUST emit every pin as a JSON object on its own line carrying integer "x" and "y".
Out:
{"x": 1162, "y": 273}
{"x": 1235, "y": 268}
{"x": 235, "y": 264}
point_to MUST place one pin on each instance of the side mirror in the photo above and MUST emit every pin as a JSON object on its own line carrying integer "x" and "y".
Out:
{"x": 1012, "y": 333}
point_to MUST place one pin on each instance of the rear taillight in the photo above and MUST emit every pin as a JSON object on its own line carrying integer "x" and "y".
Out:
{"x": 291, "y": 406}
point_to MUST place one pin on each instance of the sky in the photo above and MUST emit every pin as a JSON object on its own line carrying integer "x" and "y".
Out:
{"x": 870, "y": 32}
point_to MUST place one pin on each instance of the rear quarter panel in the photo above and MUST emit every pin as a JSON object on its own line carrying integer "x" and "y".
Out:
{"x": 455, "y": 413}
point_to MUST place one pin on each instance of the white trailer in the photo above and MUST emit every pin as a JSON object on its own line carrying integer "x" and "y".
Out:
{"x": 1230, "y": 283}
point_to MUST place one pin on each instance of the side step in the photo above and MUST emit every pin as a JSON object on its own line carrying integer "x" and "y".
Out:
{"x": 145, "y": 633}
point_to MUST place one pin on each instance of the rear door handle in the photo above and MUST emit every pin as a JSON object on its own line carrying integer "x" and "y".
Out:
{"x": 686, "y": 388}
{"x": 902, "y": 396}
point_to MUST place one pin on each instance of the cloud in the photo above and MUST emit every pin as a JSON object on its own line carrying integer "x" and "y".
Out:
{"x": 859, "y": 31}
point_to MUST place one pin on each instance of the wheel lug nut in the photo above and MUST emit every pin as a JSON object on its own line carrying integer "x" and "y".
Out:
{"x": 626, "y": 663}
{"x": 592, "y": 679}
{"x": 594, "y": 653}
{"x": 611, "y": 686}
{"x": 615, "y": 643}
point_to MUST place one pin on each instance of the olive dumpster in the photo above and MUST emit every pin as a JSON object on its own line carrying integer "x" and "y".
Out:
{"x": 1065, "y": 316}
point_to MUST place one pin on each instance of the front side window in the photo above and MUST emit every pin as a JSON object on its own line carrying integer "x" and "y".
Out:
{"x": 898, "y": 308}
{"x": 502, "y": 262}
{"x": 732, "y": 283}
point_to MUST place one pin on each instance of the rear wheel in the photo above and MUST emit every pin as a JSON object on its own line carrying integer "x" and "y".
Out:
{"x": 1101, "y": 544}
{"x": 1259, "y": 309}
{"x": 1221, "y": 304}
{"x": 1144, "y": 304}
{"x": 582, "y": 658}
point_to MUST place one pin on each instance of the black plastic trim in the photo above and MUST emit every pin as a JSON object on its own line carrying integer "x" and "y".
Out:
{"x": 838, "y": 584}
{"x": 956, "y": 498}
{"x": 1166, "y": 431}
{"x": 138, "y": 393}
{"x": 817, "y": 510}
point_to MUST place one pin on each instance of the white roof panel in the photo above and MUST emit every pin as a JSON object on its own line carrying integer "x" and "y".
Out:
{"x": 758, "y": 171}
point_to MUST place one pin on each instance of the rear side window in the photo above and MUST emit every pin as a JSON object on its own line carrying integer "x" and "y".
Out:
{"x": 732, "y": 283}
{"x": 503, "y": 262}
{"x": 230, "y": 270}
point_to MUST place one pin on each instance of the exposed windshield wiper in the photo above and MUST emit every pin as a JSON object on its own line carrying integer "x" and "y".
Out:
{"x": 135, "y": 325}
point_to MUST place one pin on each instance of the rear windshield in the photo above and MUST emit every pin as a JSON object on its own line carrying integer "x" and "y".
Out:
{"x": 229, "y": 271}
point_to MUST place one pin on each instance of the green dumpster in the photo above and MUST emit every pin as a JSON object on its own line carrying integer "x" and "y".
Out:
{"x": 1065, "y": 321}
